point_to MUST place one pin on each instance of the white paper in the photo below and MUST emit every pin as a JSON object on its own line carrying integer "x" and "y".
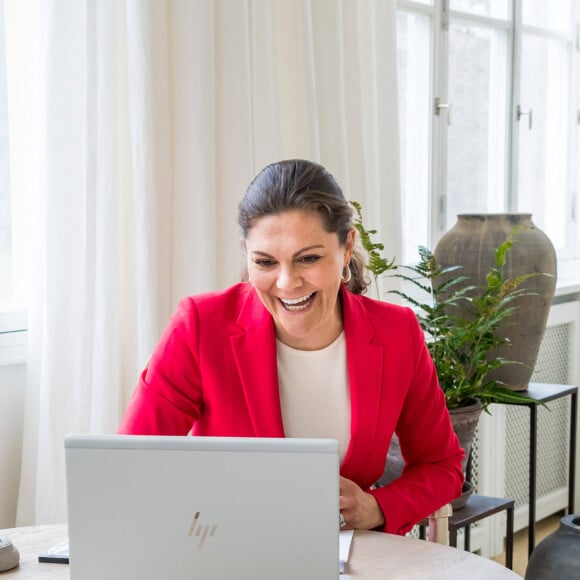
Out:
{"x": 344, "y": 542}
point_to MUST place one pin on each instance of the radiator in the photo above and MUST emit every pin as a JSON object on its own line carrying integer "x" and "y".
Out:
{"x": 552, "y": 366}
{"x": 500, "y": 452}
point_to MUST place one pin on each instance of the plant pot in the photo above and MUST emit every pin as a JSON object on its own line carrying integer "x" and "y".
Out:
{"x": 460, "y": 502}
{"x": 557, "y": 556}
{"x": 395, "y": 463}
{"x": 470, "y": 243}
{"x": 464, "y": 421}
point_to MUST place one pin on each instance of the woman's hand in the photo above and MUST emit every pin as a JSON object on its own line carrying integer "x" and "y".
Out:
{"x": 359, "y": 509}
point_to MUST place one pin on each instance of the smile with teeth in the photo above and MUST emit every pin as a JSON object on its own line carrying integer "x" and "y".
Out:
{"x": 297, "y": 303}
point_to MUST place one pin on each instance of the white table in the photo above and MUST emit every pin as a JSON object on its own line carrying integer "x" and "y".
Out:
{"x": 373, "y": 556}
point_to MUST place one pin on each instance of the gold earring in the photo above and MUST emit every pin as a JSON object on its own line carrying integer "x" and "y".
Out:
{"x": 346, "y": 278}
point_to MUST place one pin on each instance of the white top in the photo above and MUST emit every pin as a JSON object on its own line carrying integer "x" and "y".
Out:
{"x": 314, "y": 392}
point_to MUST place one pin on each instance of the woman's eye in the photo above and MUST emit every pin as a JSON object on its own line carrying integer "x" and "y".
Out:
{"x": 263, "y": 263}
{"x": 309, "y": 259}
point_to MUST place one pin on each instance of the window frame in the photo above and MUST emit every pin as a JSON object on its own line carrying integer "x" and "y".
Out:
{"x": 441, "y": 16}
{"x": 486, "y": 22}
{"x": 571, "y": 251}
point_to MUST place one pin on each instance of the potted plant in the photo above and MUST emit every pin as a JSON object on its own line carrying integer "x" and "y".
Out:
{"x": 462, "y": 345}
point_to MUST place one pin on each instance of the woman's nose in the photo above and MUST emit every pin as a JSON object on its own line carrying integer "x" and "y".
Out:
{"x": 288, "y": 278}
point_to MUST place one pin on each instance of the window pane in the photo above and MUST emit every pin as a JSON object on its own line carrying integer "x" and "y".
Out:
{"x": 413, "y": 61}
{"x": 476, "y": 137}
{"x": 543, "y": 150}
{"x": 5, "y": 211}
{"x": 494, "y": 8}
{"x": 552, "y": 15}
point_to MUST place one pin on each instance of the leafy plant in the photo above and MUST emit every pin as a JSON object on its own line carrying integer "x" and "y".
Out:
{"x": 377, "y": 264}
{"x": 460, "y": 320}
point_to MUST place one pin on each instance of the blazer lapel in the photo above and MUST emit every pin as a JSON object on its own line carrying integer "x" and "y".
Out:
{"x": 365, "y": 370}
{"x": 254, "y": 349}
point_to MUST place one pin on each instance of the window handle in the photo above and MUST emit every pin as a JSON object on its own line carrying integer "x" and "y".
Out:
{"x": 438, "y": 106}
{"x": 520, "y": 114}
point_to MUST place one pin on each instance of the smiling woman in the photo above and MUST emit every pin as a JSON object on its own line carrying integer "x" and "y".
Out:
{"x": 295, "y": 265}
{"x": 297, "y": 351}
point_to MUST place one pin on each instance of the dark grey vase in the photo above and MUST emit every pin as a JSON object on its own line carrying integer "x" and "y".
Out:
{"x": 557, "y": 557}
{"x": 471, "y": 243}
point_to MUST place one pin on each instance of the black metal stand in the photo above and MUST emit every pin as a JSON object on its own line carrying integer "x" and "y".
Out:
{"x": 477, "y": 508}
{"x": 545, "y": 393}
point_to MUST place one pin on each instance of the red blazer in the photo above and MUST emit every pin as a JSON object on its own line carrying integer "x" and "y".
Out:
{"x": 214, "y": 370}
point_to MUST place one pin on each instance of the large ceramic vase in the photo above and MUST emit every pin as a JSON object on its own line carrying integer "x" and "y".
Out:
{"x": 557, "y": 557}
{"x": 471, "y": 244}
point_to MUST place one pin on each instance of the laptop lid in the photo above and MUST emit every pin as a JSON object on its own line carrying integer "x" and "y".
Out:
{"x": 153, "y": 507}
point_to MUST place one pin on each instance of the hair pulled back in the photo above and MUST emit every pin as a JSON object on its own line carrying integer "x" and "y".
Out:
{"x": 297, "y": 184}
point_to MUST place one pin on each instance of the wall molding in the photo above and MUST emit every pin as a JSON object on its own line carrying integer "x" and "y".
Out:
{"x": 13, "y": 348}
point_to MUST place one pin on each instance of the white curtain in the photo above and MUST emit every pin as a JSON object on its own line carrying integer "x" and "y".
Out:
{"x": 155, "y": 115}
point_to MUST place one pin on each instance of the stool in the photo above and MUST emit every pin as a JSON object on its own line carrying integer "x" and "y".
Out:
{"x": 477, "y": 508}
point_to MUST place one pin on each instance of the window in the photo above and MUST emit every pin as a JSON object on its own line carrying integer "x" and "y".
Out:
{"x": 489, "y": 101}
{"x": 414, "y": 47}
{"x": 476, "y": 118}
{"x": 546, "y": 71}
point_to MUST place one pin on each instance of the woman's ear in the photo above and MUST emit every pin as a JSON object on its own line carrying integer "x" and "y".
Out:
{"x": 349, "y": 244}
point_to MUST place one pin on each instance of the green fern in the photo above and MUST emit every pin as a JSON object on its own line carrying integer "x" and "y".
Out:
{"x": 377, "y": 264}
{"x": 461, "y": 346}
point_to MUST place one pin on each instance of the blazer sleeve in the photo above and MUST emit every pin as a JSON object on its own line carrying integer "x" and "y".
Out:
{"x": 168, "y": 396}
{"x": 432, "y": 475}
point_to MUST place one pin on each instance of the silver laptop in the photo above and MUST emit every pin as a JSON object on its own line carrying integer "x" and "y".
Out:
{"x": 179, "y": 508}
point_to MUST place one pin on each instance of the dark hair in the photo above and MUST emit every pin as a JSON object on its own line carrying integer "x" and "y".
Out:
{"x": 307, "y": 186}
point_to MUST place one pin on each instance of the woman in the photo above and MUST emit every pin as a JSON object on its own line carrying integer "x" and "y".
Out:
{"x": 297, "y": 351}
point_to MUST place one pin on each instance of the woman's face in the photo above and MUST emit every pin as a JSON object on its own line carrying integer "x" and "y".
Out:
{"x": 295, "y": 265}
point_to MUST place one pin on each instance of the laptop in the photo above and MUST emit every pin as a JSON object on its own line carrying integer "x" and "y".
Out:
{"x": 220, "y": 508}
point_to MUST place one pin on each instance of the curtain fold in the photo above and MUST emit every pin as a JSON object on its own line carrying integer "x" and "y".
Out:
{"x": 156, "y": 115}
